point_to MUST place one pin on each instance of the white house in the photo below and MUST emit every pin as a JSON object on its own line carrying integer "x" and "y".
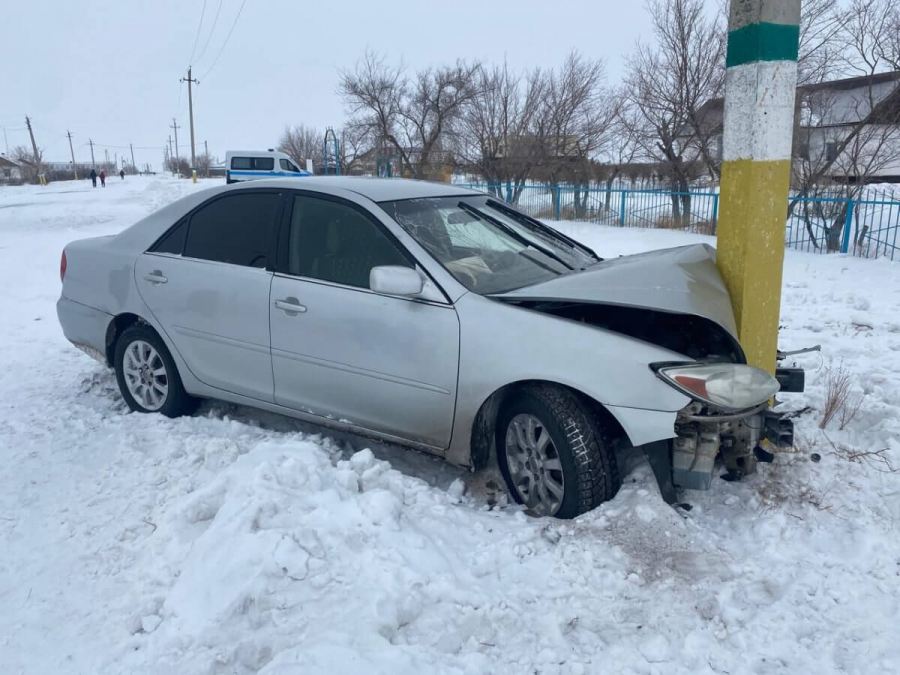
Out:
{"x": 850, "y": 129}
{"x": 847, "y": 130}
{"x": 10, "y": 171}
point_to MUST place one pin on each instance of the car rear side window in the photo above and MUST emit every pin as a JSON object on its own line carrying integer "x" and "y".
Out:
{"x": 173, "y": 240}
{"x": 253, "y": 163}
{"x": 334, "y": 242}
{"x": 235, "y": 229}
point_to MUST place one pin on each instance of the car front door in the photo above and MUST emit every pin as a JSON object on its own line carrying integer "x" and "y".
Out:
{"x": 384, "y": 363}
{"x": 207, "y": 285}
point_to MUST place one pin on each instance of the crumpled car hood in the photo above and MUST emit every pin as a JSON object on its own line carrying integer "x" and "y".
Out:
{"x": 683, "y": 280}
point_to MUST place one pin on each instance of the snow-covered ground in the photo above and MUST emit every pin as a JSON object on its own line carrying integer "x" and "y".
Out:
{"x": 240, "y": 542}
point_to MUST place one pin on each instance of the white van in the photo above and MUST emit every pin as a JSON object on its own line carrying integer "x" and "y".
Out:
{"x": 255, "y": 164}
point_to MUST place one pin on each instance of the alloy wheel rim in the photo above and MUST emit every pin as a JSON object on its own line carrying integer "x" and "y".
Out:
{"x": 534, "y": 465}
{"x": 145, "y": 375}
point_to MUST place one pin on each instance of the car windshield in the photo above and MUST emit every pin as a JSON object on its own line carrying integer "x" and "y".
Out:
{"x": 487, "y": 246}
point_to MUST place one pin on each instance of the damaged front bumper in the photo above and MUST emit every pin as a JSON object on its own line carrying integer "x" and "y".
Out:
{"x": 702, "y": 433}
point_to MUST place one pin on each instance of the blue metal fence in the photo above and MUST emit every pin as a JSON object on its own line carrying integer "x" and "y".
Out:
{"x": 867, "y": 226}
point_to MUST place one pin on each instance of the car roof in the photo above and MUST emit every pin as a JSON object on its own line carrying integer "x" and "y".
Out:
{"x": 376, "y": 189}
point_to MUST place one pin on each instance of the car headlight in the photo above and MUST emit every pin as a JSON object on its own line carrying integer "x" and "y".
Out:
{"x": 732, "y": 386}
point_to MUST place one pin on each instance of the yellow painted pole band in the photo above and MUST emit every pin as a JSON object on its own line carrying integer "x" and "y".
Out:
{"x": 751, "y": 251}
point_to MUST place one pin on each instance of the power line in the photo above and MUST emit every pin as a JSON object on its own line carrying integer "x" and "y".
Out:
{"x": 216, "y": 60}
{"x": 197, "y": 36}
{"x": 211, "y": 31}
{"x": 127, "y": 147}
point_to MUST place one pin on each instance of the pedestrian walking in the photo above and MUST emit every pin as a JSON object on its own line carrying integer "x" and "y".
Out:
{"x": 94, "y": 177}
{"x": 102, "y": 178}
{"x": 122, "y": 174}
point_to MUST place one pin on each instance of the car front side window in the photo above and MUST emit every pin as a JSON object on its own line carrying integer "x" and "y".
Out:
{"x": 235, "y": 229}
{"x": 335, "y": 242}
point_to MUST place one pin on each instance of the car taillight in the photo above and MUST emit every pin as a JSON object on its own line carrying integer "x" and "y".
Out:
{"x": 62, "y": 267}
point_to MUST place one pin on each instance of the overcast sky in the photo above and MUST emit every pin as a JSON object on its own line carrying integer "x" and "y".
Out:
{"x": 110, "y": 71}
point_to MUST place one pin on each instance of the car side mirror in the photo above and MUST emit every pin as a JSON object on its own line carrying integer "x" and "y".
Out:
{"x": 396, "y": 280}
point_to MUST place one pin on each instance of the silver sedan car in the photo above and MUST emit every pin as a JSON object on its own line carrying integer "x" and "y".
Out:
{"x": 432, "y": 316}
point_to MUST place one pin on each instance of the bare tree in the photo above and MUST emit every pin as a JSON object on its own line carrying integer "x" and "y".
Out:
{"x": 622, "y": 148}
{"x": 820, "y": 52}
{"x": 301, "y": 142}
{"x": 575, "y": 122}
{"x": 668, "y": 84}
{"x": 351, "y": 146}
{"x": 415, "y": 116}
{"x": 30, "y": 164}
{"x": 849, "y": 134}
{"x": 498, "y": 130}
{"x": 204, "y": 164}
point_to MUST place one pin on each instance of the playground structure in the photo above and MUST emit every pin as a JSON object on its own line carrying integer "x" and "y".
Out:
{"x": 331, "y": 155}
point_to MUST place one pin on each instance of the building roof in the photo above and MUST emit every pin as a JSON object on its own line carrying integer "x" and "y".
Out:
{"x": 7, "y": 162}
{"x": 853, "y": 82}
{"x": 717, "y": 104}
{"x": 376, "y": 189}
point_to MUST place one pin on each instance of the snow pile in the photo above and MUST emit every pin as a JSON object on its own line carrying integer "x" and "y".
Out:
{"x": 237, "y": 541}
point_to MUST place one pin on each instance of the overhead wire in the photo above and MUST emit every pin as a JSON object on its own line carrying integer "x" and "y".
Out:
{"x": 211, "y": 31}
{"x": 197, "y": 36}
{"x": 227, "y": 37}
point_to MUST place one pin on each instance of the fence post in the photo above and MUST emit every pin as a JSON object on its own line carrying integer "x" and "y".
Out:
{"x": 558, "y": 204}
{"x": 715, "y": 211}
{"x": 622, "y": 210}
{"x": 848, "y": 221}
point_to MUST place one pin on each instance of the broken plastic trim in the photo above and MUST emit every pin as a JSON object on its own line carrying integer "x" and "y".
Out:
{"x": 733, "y": 417}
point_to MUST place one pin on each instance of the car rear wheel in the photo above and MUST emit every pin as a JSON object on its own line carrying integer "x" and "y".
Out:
{"x": 553, "y": 452}
{"x": 147, "y": 376}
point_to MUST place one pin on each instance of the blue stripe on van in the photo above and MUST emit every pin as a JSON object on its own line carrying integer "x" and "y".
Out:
{"x": 270, "y": 173}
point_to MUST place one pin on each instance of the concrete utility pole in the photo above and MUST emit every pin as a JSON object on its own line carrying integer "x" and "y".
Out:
{"x": 106, "y": 155}
{"x": 176, "y": 128}
{"x": 760, "y": 87}
{"x": 170, "y": 146}
{"x": 133, "y": 165}
{"x": 6, "y": 141}
{"x": 190, "y": 81}
{"x": 206, "y": 153}
{"x": 37, "y": 157}
{"x": 71, "y": 150}
{"x": 93, "y": 164}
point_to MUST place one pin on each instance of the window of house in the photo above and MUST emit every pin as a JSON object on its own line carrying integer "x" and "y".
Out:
{"x": 831, "y": 151}
{"x": 235, "y": 229}
{"x": 335, "y": 242}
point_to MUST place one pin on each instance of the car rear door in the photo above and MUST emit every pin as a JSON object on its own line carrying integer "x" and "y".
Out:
{"x": 339, "y": 350}
{"x": 207, "y": 284}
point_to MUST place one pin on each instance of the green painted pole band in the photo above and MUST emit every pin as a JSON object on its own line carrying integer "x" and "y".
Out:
{"x": 762, "y": 42}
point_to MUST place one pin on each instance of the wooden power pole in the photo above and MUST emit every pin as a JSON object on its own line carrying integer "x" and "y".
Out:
{"x": 176, "y": 127}
{"x": 93, "y": 164}
{"x": 71, "y": 150}
{"x": 37, "y": 157}
{"x": 190, "y": 81}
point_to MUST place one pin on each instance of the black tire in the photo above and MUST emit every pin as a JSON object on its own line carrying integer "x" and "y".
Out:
{"x": 177, "y": 401}
{"x": 586, "y": 455}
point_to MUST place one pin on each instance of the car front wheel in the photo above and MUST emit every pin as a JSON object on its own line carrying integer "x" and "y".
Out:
{"x": 554, "y": 453}
{"x": 147, "y": 376}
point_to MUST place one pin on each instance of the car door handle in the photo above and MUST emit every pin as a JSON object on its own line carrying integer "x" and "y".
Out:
{"x": 155, "y": 277}
{"x": 290, "y": 305}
